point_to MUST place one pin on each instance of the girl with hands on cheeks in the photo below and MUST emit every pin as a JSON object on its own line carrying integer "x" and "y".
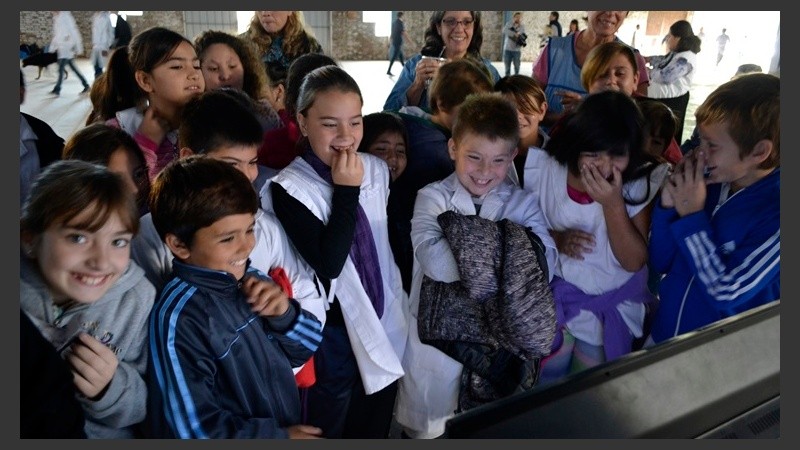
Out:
{"x": 332, "y": 202}
{"x": 595, "y": 183}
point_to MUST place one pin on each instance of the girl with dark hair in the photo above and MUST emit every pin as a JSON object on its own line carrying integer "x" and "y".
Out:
{"x": 166, "y": 71}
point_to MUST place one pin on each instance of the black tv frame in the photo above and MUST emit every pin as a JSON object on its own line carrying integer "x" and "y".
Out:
{"x": 711, "y": 383}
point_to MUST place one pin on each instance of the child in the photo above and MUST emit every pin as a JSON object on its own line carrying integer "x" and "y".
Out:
{"x": 528, "y": 96}
{"x": 111, "y": 147}
{"x": 223, "y": 336}
{"x": 716, "y": 230}
{"x": 229, "y": 62}
{"x": 167, "y": 72}
{"x": 661, "y": 123}
{"x": 385, "y": 136}
{"x": 218, "y": 125}
{"x": 595, "y": 184}
{"x": 82, "y": 291}
{"x": 428, "y": 133}
{"x": 612, "y": 66}
{"x": 332, "y": 204}
{"x": 485, "y": 136}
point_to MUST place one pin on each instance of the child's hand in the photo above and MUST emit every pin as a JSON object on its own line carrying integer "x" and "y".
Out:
{"x": 347, "y": 168}
{"x": 687, "y": 185}
{"x": 573, "y": 243}
{"x": 153, "y": 125}
{"x": 304, "y": 432}
{"x": 93, "y": 365}
{"x": 603, "y": 191}
{"x": 266, "y": 299}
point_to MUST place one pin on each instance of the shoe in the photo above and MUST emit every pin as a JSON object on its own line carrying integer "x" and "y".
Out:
{"x": 85, "y": 90}
{"x": 390, "y": 74}
{"x": 55, "y": 93}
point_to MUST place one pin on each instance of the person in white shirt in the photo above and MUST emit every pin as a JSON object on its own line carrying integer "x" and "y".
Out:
{"x": 102, "y": 39}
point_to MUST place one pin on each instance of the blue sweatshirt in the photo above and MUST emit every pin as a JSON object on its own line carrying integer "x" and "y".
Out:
{"x": 720, "y": 261}
{"x": 217, "y": 370}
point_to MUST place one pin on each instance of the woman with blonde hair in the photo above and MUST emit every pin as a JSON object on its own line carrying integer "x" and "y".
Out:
{"x": 280, "y": 36}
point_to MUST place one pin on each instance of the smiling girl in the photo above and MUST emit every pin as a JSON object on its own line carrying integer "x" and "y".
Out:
{"x": 80, "y": 288}
{"x": 167, "y": 72}
{"x": 332, "y": 203}
{"x": 595, "y": 184}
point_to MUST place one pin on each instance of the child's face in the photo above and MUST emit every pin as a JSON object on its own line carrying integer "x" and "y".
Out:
{"x": 126, "y": 165}
{"x": 481, "y": 164}
{"x": 655, "y": 145}
{"x": 528, "y": 123}
{"x": 391, "y": 148}
{"x": 605, "y": 162}
{"x": 81, "y": 265}
{"x": 224, "y": 245}
{"x": 723, "y": 162}
{"x": 619, "y": 76}
{"x": 178, "y": 79}
{"x": 243, "y": 157}
{"x": 333, "y": 124}
{"x": 222, "y": 67}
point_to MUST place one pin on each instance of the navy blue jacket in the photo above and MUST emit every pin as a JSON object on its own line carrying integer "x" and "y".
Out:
{"x": 217, "y": 370}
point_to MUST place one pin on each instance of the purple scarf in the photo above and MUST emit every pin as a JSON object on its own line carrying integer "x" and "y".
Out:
{"x": 570, "y": 300}
{"x": 362, "y": 251}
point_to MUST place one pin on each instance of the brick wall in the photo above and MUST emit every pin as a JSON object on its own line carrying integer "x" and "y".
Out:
{"x": 37, "y": 26}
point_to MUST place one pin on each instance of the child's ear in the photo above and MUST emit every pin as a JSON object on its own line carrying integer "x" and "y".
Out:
{"x": 177, "y": 247}
{"x": 301, "y": 122}
{"x": 143, "y": 80}
{"x": 761, "y": 151}
{"x": 451, "y": 148}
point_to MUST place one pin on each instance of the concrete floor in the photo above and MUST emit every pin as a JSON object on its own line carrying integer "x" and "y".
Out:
{"x": 67, "y": 112}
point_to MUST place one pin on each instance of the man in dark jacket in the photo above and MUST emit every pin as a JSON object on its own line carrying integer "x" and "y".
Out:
{"x": 39, "y": 145}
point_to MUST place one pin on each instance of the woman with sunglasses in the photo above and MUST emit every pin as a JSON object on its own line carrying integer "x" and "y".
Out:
{"x": 450, "y": 35}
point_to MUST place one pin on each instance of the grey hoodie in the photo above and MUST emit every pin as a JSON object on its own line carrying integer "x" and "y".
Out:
{"x": 119, "y": 319}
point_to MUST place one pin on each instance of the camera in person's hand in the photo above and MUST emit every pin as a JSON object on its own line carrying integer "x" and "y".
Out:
{"x": 522, "y": 40}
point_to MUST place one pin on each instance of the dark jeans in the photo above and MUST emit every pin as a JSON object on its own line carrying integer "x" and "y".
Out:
{"x": 63, "y": 62}
{"x": 395, "y": 52}
{"x": 337, "y": 402}
{"x": 509, "y": 57}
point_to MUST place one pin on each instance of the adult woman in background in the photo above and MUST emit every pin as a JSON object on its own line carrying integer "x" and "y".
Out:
{"x": 450, "y": 35}
{"x": 672, "y": 74}
{"x": 280, "y": 37}
{"x": 559, "y": 65}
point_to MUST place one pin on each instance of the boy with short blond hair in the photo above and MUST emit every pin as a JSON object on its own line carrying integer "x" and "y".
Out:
{"x": 450, "y": 268}
{"x": 716, "y": 233}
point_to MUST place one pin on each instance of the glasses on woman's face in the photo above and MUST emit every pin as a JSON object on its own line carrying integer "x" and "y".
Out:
{"x": 452, "y": 22}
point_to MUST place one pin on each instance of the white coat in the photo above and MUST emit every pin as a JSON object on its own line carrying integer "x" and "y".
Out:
{"x": 428, "y": 394}
{"x": 378, "y": 344}
{"x": 67, "y": 41}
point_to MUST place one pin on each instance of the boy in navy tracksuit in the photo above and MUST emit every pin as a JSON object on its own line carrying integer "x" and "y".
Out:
{"x": 716, "y": 232}
{"x": 223, "y": 336}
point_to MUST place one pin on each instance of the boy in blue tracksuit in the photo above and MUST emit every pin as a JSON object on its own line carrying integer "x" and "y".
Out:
{"x": 223, "y": 336}
{"x": 716, "y": 233}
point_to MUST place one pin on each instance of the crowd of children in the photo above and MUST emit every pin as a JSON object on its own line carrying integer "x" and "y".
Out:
{"x": 221, "y": 254}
